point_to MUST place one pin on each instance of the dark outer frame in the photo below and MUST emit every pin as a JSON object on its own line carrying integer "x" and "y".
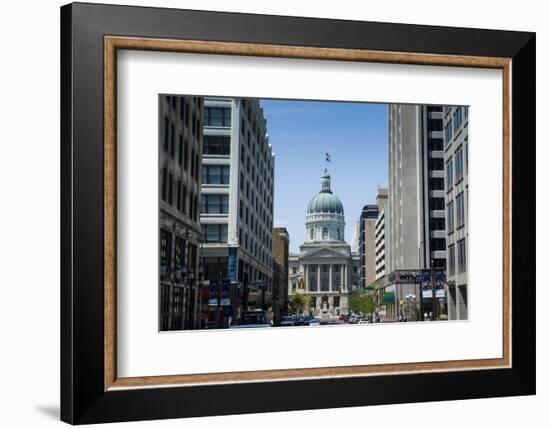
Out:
{"x": 83, "y": 398}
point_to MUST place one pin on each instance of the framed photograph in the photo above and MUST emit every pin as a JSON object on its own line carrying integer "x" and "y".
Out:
{"x": 258, "y": 210}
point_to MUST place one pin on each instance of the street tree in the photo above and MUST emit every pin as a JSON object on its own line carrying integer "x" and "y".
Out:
{"x": 298, "y": 303}
{"x": 362, "y": 302}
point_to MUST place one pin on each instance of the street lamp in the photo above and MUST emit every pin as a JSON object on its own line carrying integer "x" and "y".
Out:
{"x": 411, "y": 301}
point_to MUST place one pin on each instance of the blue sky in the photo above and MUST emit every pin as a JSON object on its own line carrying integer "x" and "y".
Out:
{"x": 355, "y": 135}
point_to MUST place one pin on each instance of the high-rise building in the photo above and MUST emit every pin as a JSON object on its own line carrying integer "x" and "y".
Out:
{"x": 281, "y": 241}
{"x": 415, "y": 219}
{"x": 236, "y": 207}
{"x": 180, "y": 134}
{"x": 380, "y": 234}
{"x": 367, "y": 247}
{"x": 456, "y": 197}
{"x": 416, "y": 199}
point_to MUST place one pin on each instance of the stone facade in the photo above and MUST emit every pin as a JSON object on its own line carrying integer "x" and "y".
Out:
{"x": 325, "y": 270}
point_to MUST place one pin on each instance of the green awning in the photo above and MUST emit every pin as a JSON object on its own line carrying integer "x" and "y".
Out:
{"x": 388, "y": 298}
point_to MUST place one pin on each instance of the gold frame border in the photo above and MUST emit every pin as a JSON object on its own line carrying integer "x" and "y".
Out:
{"x": 113, "y": 43}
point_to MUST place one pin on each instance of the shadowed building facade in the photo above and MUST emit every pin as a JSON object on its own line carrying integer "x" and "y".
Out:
{"x": 180, "y": 136}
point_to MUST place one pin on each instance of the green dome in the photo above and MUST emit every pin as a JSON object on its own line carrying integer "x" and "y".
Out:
{"x": 325, "y": 202}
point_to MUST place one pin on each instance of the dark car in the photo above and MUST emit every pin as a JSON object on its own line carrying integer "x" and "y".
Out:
{"x": 301, "y": 320}
{"x": 287, "y": 321}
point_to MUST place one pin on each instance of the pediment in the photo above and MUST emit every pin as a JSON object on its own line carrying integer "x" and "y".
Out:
{"x": 325, "y": 252}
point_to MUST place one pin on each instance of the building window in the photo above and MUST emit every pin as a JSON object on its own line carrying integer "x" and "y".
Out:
{"x": 166, "y": 133}
{"x": 338, "y": 234}
{"x": 436, "y": 204}
{"x": 336, "y": 301}
{"x": 460, "y": 209}
{"x": 163, "y": 185}
{"x": 165, "y": 253}
{"x": 178, "y": 195}
{"x": 197, "y": 162}
{"x": 180, "y": 150}
{"x": 325, "y": 233}
{"x": 172, "y": 140}
{"x": 459, "y": 165}
{"x": 437, "y": 224}
{"x": 215, "y": 174}
{"x": 170, "y": 187}
{"x": 461, "y": 255}
{"x": 311, "y": 232}
{"x": 185, "y": 155}
{"x": 457, "y": 119}
{"x": 214, "y": 204}
{"x": 435, "y": 164}
{"x": 450, "y": 217}
{"x": 217, "y": 116}
{"x": 216, "y": 145}
{"x": 184, "y": 200}
{"x": 451, "y": 259}
{"x": 435, "y": 144}
{"x": 448, "y": 132}
{"x": 436, "y": 184}
{"x": 435, "y": 125}
{"x": 179, "y": 253}
{"x": 449, "y": 174}
{"x": 215, "y": 232}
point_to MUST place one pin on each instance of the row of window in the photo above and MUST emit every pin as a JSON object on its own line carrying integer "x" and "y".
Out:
{"x": 458, "y": 167}
{"x": 455, "y": 123}
{"x": 216, "y": 145}
{"x": 217, "y": 116}
{"x": 214, "y": 233}
{"x": 255, "y": 247}
{"x": 183, "y": 157}
{"x": 181, "y": 195}
{"x": 214, "y": 203}
{"x": 460, "y": 213}
{"x": 171, "y": 267}
{"x": 215, "y": 174}
{"x": 457, "y": 264}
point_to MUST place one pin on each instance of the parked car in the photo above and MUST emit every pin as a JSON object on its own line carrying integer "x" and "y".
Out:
{"x": 364, "y": 321}
{"x": 313, "y": 322}
{"x": 301, "y": 320}
{"x": 287, "y": 321}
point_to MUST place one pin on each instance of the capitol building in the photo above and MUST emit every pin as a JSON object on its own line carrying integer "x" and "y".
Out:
{"x": 325, "y": 270}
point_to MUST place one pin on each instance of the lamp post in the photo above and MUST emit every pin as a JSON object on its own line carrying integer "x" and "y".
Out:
{"x": 411, "y": 301}
{"x": 219, "y": 306}
{"x": 434, "y": 304}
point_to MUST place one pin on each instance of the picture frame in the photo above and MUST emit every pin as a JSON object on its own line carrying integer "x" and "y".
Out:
{"x": 91, "y": 391}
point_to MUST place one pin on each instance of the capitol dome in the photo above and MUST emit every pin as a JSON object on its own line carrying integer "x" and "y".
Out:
{"x": 325, "y": 215}
{"x": 325, "y": 201}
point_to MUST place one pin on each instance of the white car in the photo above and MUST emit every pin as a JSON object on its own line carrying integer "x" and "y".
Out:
{"x": 363, "y": 321}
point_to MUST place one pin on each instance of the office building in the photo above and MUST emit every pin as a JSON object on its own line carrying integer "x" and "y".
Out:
{"x": 281, "y": 242}
{"x": 180, "y": 134}
{"x": 456, "y": 197}
{"x": 367, "y": 248}
{"x": 415, "y": 230}
{"x": 236, "y": 209}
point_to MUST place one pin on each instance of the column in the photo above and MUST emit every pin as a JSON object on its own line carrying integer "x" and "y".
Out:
{"x": 306, "y": 278}
{"x": 318, "y": 277}
{"x": 345, "y": 277}
{"x": 330, "y": 277}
